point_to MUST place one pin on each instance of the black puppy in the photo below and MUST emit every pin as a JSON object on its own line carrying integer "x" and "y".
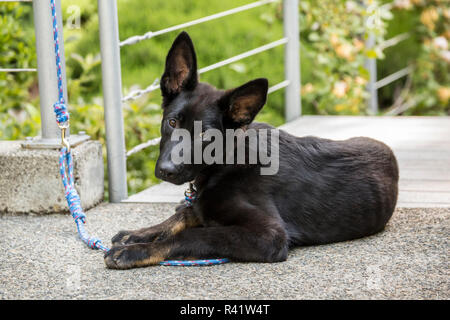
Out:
{"x": 325, "y": 191}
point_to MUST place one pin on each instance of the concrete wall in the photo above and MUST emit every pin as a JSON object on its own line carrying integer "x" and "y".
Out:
{"x": 30, "y": 181}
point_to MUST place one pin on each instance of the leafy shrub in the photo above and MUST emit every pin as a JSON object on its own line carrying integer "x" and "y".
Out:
{"x": 334, "y": 36}
{"x": 428, "y": 92}
{"x": 18, "y": 115}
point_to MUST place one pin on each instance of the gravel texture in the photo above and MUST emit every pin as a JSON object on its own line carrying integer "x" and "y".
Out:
{"x": 42, "y": 258}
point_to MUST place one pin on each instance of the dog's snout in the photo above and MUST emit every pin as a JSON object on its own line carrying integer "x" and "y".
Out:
{"x": 167, "y": 169}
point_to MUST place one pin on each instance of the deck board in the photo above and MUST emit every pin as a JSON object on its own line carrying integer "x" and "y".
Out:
{"x": 421, "y": 144}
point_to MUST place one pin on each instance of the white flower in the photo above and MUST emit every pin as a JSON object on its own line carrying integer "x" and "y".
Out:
{"x": 350, "y": 6}
{"x": 440, "y": 43}
{"x": 340, "y": 89}
{"x": 403, "y": 4}
{"x": 446, "y": 55}
{"x": 315, "y": 26}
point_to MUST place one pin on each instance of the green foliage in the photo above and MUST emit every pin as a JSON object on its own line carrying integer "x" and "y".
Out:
{"x": 333, "y": 35}
{"x": 18, "y": 115}
{"x": 84, "y": 81}
{"x": 430, "y": 83}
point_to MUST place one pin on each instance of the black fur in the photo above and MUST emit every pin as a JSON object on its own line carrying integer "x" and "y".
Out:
{"x": 325, "y": 191}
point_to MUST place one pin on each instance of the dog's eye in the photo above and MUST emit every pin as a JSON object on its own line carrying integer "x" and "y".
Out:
{"x": 172, "y": 123}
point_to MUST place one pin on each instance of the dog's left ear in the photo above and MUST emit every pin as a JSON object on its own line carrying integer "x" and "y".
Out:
{"x": 181, "y": 67}
{"x": 241, "y": 105}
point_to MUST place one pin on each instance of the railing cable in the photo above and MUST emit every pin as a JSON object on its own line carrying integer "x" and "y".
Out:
{"x": 142, "y": 146}
{"x": 155, "y": 85}
{"x": 392, "y": 77}
{"x": 394, "y": 40}
{"x": 151, "y": 34}
{"x": 18, "y": 70}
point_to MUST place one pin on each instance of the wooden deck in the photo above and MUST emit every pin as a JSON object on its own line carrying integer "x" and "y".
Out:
{"x": 421, "y": 144}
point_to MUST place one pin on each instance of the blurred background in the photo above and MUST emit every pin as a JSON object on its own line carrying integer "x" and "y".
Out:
{"x": 332, "y": 50}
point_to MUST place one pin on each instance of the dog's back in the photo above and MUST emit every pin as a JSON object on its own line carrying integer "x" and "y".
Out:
{"x": 328, "y": 191}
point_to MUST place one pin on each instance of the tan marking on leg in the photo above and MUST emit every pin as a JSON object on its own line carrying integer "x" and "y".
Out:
{"x": 186, "y": 220}
{"x": 156, "y": 257}
{"x": 150, "y": 261}
{"x": 177, "y": 227}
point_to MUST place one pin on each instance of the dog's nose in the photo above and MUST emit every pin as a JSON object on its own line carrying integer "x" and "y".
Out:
{"x": 167, "y": 169}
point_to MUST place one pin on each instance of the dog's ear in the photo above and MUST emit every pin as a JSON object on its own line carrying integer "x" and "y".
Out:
{"x": 181, "y": 67}
{"x": 241, "y": 105}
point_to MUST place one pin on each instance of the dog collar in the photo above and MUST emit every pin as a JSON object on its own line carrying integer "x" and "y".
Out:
{"x": 190, "y": 195}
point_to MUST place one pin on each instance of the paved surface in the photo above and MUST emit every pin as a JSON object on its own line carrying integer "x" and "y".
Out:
{"x": 421, "y": 144}
{"x": 41, "y": 258}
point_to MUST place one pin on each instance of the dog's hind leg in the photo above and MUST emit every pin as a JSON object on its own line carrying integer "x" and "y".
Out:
{"x": 182, "y": 219}
{"x": 235, "y": 242}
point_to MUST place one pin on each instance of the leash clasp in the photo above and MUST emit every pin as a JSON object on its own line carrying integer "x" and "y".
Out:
{"x": 64, "y": 141}
{"x": 190, "y": 194}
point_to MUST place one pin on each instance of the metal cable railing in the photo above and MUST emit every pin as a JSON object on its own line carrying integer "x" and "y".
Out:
{"x": 155, "y": 85}
{"x": 18, "y": 69}
{"x": 392, "y": 77}
{"x": 400, "y": 73}
{"x": 142, "y": 146}
{"x": 394, "y": 40}
{"x": 151, "y": 34}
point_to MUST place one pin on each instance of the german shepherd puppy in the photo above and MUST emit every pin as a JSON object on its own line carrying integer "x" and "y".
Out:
{"x": 324, "y": 191}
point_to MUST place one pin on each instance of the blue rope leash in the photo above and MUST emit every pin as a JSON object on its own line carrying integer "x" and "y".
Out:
{"x": 66, "y": 168}
{"x": 65, "y": 158}
{"x": 190, "y": 196}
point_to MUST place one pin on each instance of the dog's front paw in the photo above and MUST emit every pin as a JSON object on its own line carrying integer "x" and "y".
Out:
{"x": 132, "y": 256}
{"x": 121, "y": 237}
{"x": 129, "y": 237}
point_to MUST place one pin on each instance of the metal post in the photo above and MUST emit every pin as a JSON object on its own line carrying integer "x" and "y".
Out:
{"x": 112, "y": 97}
{"x": 48, "y": 82}
{"x": 45, "y": 51}
{"x": 371, "y": 66}
{"x": 292, "y": 59}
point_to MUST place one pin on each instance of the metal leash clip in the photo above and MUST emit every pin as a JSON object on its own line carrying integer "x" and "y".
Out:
{"x": 190, "y": 194}
{"x": 64, "y": 141}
